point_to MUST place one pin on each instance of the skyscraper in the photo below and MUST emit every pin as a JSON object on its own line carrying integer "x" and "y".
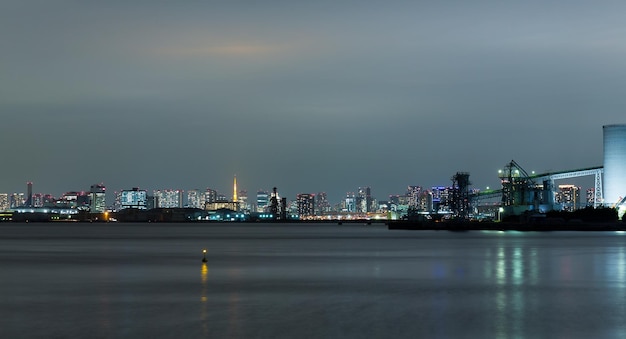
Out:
{"x": 306, "y": 205}
{"x": 4, "y": 201}
{"x": 235, "y": 189}
{"x": 262, "y": 201}
{"x": 169, "y": 198}
{"x": 29, "y": 195}
{"x": 193, "y": 199}
{"x": 98, "y": 199}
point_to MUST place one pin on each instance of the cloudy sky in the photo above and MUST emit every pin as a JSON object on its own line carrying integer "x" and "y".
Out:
{"x": 305, "y": 96}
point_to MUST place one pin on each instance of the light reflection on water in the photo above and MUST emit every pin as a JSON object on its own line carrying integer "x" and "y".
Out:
{"x": 307, "y": 281}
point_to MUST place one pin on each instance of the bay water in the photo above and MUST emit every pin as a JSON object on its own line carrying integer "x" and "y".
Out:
{"x": 115, "y": 280}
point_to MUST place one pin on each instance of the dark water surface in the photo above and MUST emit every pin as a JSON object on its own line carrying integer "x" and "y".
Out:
{"x": 313, "y": 281}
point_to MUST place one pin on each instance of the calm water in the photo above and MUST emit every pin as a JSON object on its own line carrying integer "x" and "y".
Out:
{"x": 314, "y": 281}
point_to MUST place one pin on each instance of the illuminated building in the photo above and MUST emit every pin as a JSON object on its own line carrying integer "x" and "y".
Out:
{"x": 194, "y": 199}
{"x": 262, "y": 201}
{"x": 568, "y": 196}
{"x": 614, "y": 164}
{"x": 168, "y": 198}
{"x": 441, "y": 198}
{"x": 363, "y": 201}
{"x": 79, "y": 200}
{"x": 134, "y": 198}
{"x": 350, "y": 205}
{"x": 4, "y": 201}
{"x": 29, "y": 194}
{"x": 413, "y": 194}
{"x": 210, "y": 195}
{"x": 41, "y": 200}
{"x": 591, "y": 192}
{"x": 222, "y": 204}
{"x": 242, "y": 199}
{"x": 235, "y": 189}
{"x": 321, "y": 203}
{"x": 98, "y": 199}
{"x": 16, "y": 200}
{"x": 305, "y": 204}
{"x": 425, "y": 201}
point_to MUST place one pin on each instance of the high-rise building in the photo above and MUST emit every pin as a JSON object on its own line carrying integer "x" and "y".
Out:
{"x": 306, "y": 205}
{"x": 591, "y": 193}
{"x": 321, "y": 203}
{"x": 16, "y": 200}
{"x": 569, "y": 197}
{"x": 193, "y": 199}
{"x": 134, "y": 198}
{"x": 350, "y": 205}
{"x": 262, "y": 201}
{"x": 614, "y": 180}
{"x": 98, "y": 198}
{"x": 210, "y": 196}
{"x": 235, "y": 189}
{"x": 29, "y": 194}
{"x": 364, "y": 200}
{"x": 242, "y": 199}
{"x": 4, "y": 201}
{"x": 168, "y": 198}
{"x": 413, "y": 193}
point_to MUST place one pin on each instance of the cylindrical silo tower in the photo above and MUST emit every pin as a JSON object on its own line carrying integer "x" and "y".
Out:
{"x": 614, "y": 163}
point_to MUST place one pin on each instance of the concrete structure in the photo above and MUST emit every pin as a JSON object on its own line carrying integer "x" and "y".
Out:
{"x": 614, "y": 163}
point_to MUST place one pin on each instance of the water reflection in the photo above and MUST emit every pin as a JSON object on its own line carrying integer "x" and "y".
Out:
{"x": 510, "y": 267}
{"x": 204, "y": 313}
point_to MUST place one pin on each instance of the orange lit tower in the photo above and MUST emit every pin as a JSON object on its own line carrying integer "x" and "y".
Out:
{"x": 235, "y": 189}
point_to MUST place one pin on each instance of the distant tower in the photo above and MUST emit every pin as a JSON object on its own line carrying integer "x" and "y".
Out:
{"x": 614, "y": 163}
{"x": 29, "y": 186}
{"x": 235, "y": 189}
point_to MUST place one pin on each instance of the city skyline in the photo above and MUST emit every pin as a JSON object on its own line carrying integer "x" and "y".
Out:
{"x": 305, "y": 97}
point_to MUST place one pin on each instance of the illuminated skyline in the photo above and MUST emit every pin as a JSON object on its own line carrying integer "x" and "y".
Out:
{"x": 315, "y": 96}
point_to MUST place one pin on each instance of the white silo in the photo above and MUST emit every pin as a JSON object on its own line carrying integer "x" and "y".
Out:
{"x": 614, "y": 163}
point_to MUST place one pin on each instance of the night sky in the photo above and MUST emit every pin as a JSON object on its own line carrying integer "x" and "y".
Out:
{"x": 305, "y": 96}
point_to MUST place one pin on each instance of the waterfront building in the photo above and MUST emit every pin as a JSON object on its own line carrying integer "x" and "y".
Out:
{"x": 262, "y": 201}
{"x": 134, "y": 198}
{"x": 441, "y": 198}
{"x": 350, "y": 202}
{"x": 194, "y": 199}
{"x": 614, "y": 180}
{"x": 242, "y": 199}
{"x": 306, "y": 205}
{"x": 42, "y": 200}
{"x": 210, "y": 195}
{"x": 168, "y": 198}
{"x": 74, "y": 199}
{"x": 4, "y": 201}
{"x": 568, "y": 196}
{"x": 413, "y": 195}
{"x": 117, "y": 201}
{"x": 321, "y": 203}
{"x": 222, "y": 204}
{"x": 591, "y": 193}
{"x": 16, "y": 200}
{"x": 97, "y": 199}
{"x": 364, "y": 200}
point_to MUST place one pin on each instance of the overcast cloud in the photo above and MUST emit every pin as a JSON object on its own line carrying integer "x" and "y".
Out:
{"x": 307, "y": 97}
